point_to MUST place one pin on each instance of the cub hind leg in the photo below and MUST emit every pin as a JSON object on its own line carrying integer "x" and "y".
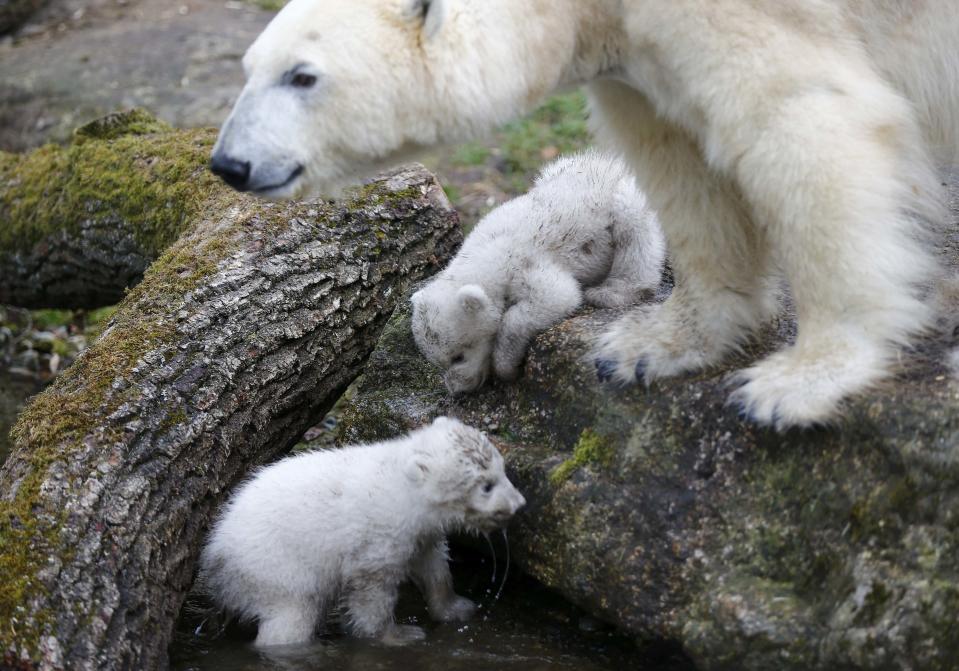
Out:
{"x": 288, "y": 622}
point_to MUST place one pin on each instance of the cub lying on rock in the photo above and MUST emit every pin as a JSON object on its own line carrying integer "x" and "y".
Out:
{"x": 522, "y": 269}
{"x": 347, "y": 526}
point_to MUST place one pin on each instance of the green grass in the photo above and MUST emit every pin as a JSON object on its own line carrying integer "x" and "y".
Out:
{"x": 557, "y": 127}
{"x": 471, "y": 154}
{"x": 270, "y": 5}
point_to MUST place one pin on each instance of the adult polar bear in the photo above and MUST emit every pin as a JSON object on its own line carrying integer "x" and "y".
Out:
{"x": 772, "y": 136}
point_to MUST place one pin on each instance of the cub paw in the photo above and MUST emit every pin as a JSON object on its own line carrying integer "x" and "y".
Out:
{"x": 459, "y": 609}
{"x": 402, "y": 634}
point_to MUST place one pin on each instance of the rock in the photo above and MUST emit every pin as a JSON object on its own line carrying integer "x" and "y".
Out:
{"x": 43, "y": 341}
{"x": 14, "y": 12}
{"x": 660, "y": 511}
{"x": 184, "y": 67}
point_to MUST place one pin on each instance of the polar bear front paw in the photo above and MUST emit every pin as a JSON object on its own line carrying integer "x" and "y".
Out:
{"x": 804, "y": 386}
{"x": 459, "y": 609}
{"x": 650, "y": 343}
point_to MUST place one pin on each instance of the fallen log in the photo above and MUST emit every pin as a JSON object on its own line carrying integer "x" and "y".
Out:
{"x": 242, "y": 333}
{"x": 80, "y": 224}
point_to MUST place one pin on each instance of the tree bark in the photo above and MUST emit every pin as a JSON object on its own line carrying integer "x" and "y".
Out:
{"x": 80, "y": 224}
{"x": 241, "y": 334}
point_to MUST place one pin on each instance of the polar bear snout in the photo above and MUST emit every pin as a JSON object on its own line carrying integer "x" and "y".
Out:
{"x": 265, "y": 180}
{"x": 230, "y": 170}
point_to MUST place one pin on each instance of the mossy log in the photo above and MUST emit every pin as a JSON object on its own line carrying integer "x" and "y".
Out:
{"x": 13, "y": 13}
{"x": 662, "y": 511}
{"x": 80, "y": 224}
{"x": 246, "y": 330}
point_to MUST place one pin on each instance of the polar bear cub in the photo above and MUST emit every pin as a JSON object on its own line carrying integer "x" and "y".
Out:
{"x": 347, "y": 526}
{"x": 523, "y": 268}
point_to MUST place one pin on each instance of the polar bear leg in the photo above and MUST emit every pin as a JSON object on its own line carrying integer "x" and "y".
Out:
{"x": 842, "y": 221}
{"x": 370, "y": 602}
{"x": 549, "y": 295}
{"x": 431, "y": 573}
{"x": 719, "y": 257}
{"x": 289, "y": 622}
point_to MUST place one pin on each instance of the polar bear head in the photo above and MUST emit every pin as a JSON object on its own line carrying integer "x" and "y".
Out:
{"x": 339, "y": 88}
{"x": 455, "y": 328}
{"x": 461, "y": 472}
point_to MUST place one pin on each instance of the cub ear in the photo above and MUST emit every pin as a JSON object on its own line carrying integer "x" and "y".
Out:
{"x": 416, "y": 469}
{"x": 472, "y": 298}
{"x": 431, "y": 13}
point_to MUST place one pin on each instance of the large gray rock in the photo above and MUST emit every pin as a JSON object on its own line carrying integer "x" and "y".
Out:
{"x": 663, "y": 512}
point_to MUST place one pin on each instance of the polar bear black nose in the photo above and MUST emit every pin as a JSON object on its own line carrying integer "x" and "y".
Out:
{"x": 233, "y": 172}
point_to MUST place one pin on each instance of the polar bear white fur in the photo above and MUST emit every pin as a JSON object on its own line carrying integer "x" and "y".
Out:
{"x": 793, "y": 137}
{"x": 523, "y": 268}
{"x": 347, "y": 526}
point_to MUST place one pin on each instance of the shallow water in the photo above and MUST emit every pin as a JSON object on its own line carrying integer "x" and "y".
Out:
{"x": 529, "y": 629}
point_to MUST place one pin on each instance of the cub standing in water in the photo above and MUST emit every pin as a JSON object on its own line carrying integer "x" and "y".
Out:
{"x": 348, "y": 526}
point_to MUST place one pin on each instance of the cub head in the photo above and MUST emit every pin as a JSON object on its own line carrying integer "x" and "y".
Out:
{"x": 455, "y": 328}
{"x": 464, "y": 474}
{"x": 337, "y": 89}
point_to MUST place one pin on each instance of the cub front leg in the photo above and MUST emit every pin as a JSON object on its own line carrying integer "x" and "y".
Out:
{"x": 431, "y": 573}
{"x": 545, "y": 295}
{"x": 370, "y": 603}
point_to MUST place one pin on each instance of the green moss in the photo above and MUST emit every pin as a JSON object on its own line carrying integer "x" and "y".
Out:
{"x": 590, "y": 449}
{"x": 129, "y": 122}
{"x": 131, "y": 171}
{"x": 49, "y": 319}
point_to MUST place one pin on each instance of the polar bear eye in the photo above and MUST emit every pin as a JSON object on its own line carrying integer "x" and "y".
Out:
{"x": 459, "y": 358}
{"x": 488, "y": 486}
{"x": 302, "y": 80}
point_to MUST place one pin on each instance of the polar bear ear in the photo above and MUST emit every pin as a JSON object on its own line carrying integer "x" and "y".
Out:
{"x": 431, "y": 13}
{"x": 472, "y": 298}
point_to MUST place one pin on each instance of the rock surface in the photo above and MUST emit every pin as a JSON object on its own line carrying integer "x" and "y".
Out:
{"x": 14, "y": 12}
{"x": 85, "y": 58}
{"x": 663, "y": 512}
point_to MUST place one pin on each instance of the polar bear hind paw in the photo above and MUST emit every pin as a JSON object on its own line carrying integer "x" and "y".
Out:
{"x": 788, "y": 389}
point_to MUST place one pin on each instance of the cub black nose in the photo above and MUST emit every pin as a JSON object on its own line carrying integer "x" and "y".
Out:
{"x": 233, "y": 172}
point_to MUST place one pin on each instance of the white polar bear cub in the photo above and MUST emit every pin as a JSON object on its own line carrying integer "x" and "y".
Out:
{"x": 772, "y": 137}
{"x": 521, "y": 270}
{"x": 348, "y": 526}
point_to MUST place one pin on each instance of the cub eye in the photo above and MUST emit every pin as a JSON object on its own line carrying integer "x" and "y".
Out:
{"x": 301, "y": 80}
{"x": 459, "y": 358}
{"x": 488, "y": 487}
